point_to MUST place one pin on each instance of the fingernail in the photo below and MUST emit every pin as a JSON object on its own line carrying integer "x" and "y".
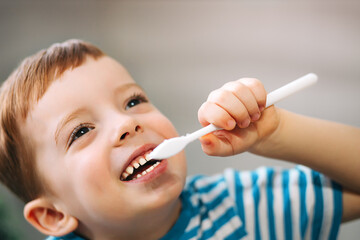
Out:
{"x": 261, "y": 108}
{"x": 245, "y": 123}
{"x": 231, "y": 123}
{"x": 255, "y": 117}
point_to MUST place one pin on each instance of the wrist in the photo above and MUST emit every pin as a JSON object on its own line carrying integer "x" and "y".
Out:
{"x": 269, "y": 129}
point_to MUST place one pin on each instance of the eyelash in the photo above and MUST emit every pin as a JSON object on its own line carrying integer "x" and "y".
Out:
{"x": 76, "y": 130}
{"x": 136, "y": 96}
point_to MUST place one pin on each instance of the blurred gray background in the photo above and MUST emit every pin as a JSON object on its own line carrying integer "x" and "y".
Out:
{"x": 181, "y": 50}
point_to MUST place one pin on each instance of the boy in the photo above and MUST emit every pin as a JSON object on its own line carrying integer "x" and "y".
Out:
{"x": 76, "y": 129}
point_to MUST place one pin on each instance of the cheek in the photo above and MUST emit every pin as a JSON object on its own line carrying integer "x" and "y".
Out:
{"x": 92, "y": 169}
{"x": 159, "y": 123}
{"x": 83, "y": 175}
{"x": 90, "y": 187}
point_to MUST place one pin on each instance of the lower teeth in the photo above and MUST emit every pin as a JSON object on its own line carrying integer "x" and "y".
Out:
{"x": 143, "y": 173}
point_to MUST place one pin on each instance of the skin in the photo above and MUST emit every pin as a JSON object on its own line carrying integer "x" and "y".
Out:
{"x": 87, "y": 195}
{"x": 85, "y": 176}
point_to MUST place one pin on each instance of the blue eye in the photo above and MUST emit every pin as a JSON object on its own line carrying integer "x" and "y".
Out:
{"x": 136, "y": 99}
{"x": 79, "y": 131}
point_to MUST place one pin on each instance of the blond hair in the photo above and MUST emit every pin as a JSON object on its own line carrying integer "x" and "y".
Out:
{"x": 24, "y": 87}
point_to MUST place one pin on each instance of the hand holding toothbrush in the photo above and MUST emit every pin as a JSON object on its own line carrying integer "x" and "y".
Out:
{"x": 237, "y": 107}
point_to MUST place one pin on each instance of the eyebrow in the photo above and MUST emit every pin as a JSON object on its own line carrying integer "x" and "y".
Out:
{"x": 68, "y": 118}
{"x": 127, "y": 86}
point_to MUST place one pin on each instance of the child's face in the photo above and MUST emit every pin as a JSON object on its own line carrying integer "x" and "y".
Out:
{"x": 87, "y": 128}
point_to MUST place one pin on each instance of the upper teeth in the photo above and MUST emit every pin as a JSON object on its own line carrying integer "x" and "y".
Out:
{"x": 135, "y": 164}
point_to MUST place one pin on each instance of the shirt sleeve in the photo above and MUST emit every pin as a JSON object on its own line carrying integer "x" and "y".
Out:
{"x": 276, "y": 203}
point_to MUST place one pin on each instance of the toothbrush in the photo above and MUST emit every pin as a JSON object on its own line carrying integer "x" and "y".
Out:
{"x": 173, "y": 146}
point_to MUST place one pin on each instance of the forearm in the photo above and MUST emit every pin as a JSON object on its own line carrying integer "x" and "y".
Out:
{"x": 328, "y": 147}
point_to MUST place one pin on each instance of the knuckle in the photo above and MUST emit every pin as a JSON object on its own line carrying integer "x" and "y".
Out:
{"x": 235, "y": 86}
{"x": 229, "y": 85}
{"x": 202, "y": 110}
{"x": 212, "y": 94}
{"x": 253, "y": 83}
{"x": 218, "y": 96}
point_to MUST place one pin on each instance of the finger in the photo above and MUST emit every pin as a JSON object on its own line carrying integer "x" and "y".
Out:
{"x": 232, "y": 105}
{"x": 211, "y": 113}
{"x": 245, "y": 95}
{"x": 258, "y": 90}
{"x": 214, "y": 146}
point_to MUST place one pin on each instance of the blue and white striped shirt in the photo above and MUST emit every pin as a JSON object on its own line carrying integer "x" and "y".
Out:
{"x": 268, "y": 203}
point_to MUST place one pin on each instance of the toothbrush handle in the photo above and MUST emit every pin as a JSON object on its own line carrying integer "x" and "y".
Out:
{"x": 272, "y": 98}
{"x": 201, "y": 132}
{"x": 290, "y": 88}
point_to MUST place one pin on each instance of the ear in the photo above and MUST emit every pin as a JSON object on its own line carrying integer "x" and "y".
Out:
{"x": 48, "y": 219}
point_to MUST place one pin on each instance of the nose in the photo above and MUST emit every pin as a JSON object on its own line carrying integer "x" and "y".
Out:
{"x": 125, "y": 134}
{"x": 128, "y": 128}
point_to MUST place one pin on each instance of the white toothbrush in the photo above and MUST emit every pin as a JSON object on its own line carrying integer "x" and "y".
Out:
{"x": 172, "y": 146}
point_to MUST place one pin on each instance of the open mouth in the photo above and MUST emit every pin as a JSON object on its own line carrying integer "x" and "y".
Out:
{"x": 138, "y": 168}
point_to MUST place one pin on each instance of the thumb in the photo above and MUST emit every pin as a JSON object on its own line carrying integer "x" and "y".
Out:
{"x": 215, "y": 145}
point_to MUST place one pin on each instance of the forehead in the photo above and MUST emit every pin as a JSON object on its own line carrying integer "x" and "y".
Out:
{"x": 86, "y": 84}
{"x": 91, "y": 78}
{"x": 103, "y": 71}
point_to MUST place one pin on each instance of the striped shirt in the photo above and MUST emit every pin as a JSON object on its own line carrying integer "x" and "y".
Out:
{"x": 268, "y": 203}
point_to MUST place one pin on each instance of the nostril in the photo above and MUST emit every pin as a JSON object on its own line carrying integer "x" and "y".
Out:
{"x": 137, "y": 128}
{"x": 124, "y": 135}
